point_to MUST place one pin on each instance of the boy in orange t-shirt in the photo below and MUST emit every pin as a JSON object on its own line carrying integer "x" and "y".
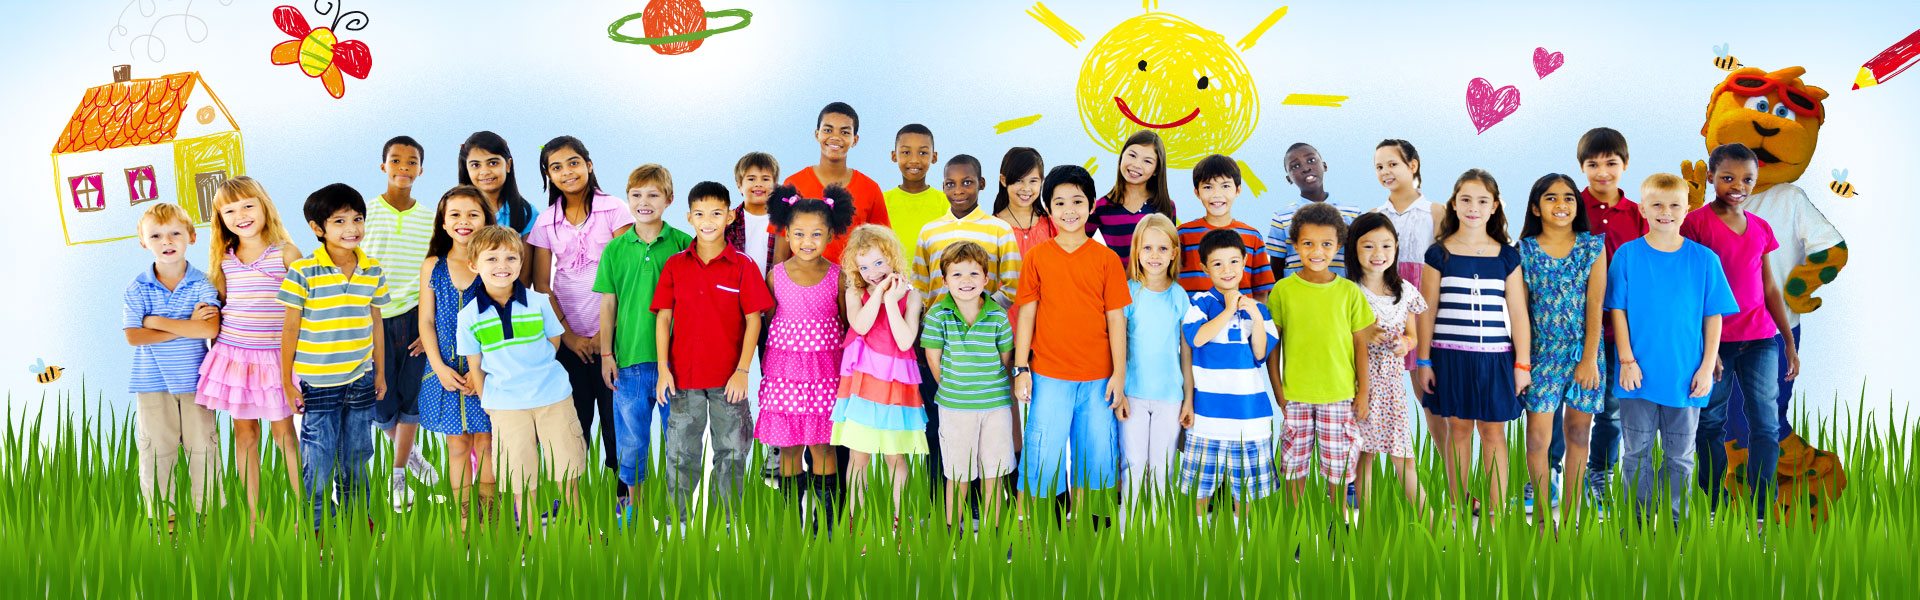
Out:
{"x": 837, "y": 130}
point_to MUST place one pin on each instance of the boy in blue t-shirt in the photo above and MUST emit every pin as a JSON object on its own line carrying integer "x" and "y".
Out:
{"x": 1666, "y": 296}
{"x": 170, "y": 312}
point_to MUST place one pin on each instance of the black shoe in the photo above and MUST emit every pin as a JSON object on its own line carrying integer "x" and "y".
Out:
{"x": 826, "y": 494}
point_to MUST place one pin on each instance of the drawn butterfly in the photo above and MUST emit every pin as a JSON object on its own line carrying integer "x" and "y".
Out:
{"x": 320, "y": 51}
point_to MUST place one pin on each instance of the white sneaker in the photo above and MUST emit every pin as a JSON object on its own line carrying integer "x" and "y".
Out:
{"x": 422, "y": 470}
{"x": 402, "y": 495}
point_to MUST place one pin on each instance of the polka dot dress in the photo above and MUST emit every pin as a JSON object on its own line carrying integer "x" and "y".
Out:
{"x": 801, "y": 373}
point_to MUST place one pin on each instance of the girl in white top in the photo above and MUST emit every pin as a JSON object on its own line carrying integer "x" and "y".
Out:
{"x": 1397, "y": 164}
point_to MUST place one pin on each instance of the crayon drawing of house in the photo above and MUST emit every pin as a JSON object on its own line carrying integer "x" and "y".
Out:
{"x": 135, "y": 141}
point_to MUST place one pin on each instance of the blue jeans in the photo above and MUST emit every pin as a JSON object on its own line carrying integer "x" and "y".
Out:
{"x": 1674, "y": 428}
{"x": 336, "y": 437}
{"x": 1606, "y": 425}
{"x": 1069, "y": 413}
{"x": 633, "y": 409}
{"x": 1753, "y": 366}
{"x": 1737, "y": 420}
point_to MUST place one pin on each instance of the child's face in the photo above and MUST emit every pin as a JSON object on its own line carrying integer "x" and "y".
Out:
{"x": 1603, "y": 172}
{"x": 1474, "y": 205}
{"x": 488, "y": 171}
{"x": 343, "y": 229}
{"x": 1734, "y": 180}
{"x": 1069, "y": 207}
{"x": 966, "y": 280}
{"x": 1216, "y": 196}
{"x": 1377, "y": 251}
{"x": 463, "y": 217}
{"x": 1558, "y": 206}
{"x": 499, "y": 268}
{"x": 709, "y": 218}
{"x": 835, "y": 135}
{"x": 1393, "y": 170}
{"x": 1664, "y": 211}
{"x": 1138, "y": 163}
{"x": 167, "y": 241}
{"x": 1305, "y": 170}
{"x": 568, "y": 171}
{"x": 402, "y": 165}
{"x": 913, "y": 152}
{"x": 962, "y": 185}
{"x": 873, "y": 266}
{"x": 756, "y": 185}
{"x": 807, "y": 235}
{"x": 245, "y": 217}
{"x": 647, "y": 203}
{"x": 1225, "y": 266}
{"x": 1023, "y": 191}
{"x": 1317, "y": 245}
{"x": 1156, "y": 251}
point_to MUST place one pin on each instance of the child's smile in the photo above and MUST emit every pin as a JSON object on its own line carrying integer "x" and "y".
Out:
{"x": 1137, "y": 163}
{"x": 243, "y": 217}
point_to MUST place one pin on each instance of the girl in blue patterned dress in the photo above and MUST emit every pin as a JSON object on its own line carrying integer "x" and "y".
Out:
{"x": 1566, "y": 276}
{"x": 448, "y": 403}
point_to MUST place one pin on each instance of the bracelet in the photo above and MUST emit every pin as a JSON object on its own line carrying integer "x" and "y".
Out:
{"x": 1523, "y": 366}
{"x": 1629, "y": 362}
{"x": 1423, "y": 363}
{"x": 606, "y": 354}
{"x": 741, "y": 370}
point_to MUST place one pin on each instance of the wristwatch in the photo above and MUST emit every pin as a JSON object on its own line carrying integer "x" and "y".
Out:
{"x": 1018, "y": 371}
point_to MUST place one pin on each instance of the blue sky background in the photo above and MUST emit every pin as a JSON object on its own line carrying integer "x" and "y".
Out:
{"x": 535, "y": 70}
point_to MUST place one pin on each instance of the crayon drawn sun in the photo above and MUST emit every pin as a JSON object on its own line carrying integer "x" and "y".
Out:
{"x": 1162, "y": 72}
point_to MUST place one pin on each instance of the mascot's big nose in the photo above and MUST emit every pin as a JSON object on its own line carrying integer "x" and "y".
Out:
{"x": 1764, "y": 132}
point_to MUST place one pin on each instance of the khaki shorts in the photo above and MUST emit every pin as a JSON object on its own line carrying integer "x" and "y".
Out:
{"x": 976, "y": 443}
{"x": 538, "y": 438}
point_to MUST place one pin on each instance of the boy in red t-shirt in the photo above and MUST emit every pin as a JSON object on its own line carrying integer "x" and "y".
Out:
{"x": 837, "y": 130}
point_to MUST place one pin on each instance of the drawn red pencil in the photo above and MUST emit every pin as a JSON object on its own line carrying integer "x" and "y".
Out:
{"x": 1889, "y": 62}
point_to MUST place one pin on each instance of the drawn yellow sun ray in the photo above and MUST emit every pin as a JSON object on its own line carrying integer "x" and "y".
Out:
{"x": 1012, "y": 124}
{"x": 1057, "y": 25}
{"x": 1326, "y": 100}
{"x": 1092, "y": 165}
{"x": 1246, "y": 43}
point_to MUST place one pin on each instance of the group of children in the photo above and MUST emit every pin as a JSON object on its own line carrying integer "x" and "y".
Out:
{"x": 999, "y": 340}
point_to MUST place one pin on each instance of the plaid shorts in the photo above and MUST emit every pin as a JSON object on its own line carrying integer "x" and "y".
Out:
{"x": 1247, "y": 467}
{"x": 1333, "y": 427}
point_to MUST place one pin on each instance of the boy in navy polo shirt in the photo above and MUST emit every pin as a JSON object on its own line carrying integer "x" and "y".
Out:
{"x": 717, "y": 292}
{"x": 170, "y": 311}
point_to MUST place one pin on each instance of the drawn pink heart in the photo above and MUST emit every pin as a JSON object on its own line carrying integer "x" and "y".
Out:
{"x": 1487, "y": 106}
{"x": 1545, "y": 63}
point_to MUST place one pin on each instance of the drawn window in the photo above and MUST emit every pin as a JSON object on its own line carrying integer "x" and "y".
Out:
{"x": 88, "y": 195}
{"x": 141, "y": 186}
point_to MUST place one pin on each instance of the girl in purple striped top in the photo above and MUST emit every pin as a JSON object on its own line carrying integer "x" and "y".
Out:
{"x": 1139, "y": 189}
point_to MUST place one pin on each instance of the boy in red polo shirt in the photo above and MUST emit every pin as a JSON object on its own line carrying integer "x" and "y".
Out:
{"x": 837, "y": 130}
{"x": 1603, "y": 158}
{"x": 717, "y": 293}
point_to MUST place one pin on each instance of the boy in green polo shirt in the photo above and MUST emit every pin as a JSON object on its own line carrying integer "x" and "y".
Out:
{"x": 972, "y": 342}
{"x": 629, "y": 270}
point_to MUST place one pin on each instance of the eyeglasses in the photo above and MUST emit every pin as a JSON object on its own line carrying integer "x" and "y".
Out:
{"x": 1797, "y": 98}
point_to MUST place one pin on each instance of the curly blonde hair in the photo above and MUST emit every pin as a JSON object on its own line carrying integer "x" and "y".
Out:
{"x": 867, "y": 237}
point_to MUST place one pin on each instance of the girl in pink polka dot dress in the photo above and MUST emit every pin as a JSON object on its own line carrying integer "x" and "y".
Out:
{"x": 801, "y": 372}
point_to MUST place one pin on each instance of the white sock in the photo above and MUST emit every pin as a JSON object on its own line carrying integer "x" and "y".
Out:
{"x": 400, "y": 473}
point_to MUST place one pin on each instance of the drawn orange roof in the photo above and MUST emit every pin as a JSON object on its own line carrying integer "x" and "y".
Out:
{"x": 132, "y": 113}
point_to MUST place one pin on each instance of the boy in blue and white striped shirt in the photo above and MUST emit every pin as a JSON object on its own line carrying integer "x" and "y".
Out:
{"x": 1229, "y": 417}
{"x": 170, "y": 312}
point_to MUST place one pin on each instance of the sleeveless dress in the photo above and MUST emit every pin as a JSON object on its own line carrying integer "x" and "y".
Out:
{"x": 1472, "y": 348}
{"x": 878, "y": 410}
{"x": 441, "y": 411}
{"x": 241, "y": 374}
{"x": 1557, "y": 299}
{"x": 1387, "y": 429}
{"x": 800, "y": 374}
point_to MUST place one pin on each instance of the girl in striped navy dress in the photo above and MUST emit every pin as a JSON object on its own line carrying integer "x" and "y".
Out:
{"x": 1476, "y": 357}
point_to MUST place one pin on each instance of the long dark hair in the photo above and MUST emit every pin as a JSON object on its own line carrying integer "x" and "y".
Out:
{"x": 1533, "y": 224}
{"x": 519, "y": 211}
{"x": 440, "y": 244}
{"x": 1361, "y": 226}
{"x": 546, "y": 182}
{"x": 785, "y": 203}
{"x": 1159, "y": 201}
{"x": 1018, "y": 162}
{"x": 1496, "y": 224}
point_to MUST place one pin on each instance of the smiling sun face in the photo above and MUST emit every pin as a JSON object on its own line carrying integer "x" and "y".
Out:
{"x": 1162, "y": 72}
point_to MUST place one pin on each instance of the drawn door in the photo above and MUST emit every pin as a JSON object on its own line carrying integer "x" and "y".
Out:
{"x": 205, "y": 184}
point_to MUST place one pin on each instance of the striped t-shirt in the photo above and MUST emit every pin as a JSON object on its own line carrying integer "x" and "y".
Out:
{"x": 515, "y": 343}
{"x": 336, "y": 316}
{"x": 398, "y": 239}
{"x": 992, "y": 234}
{"x": 253, "y": 318}
{"x": 972, "y": 377}
{"x": 1230, "y": 398}
{"x": 1116, "y": 224}
{"x": 1259, "y": 276}
{"x": 1472, "y": 313}
{"x": 1279, "y": 240}
{"x": 172, "y": 366}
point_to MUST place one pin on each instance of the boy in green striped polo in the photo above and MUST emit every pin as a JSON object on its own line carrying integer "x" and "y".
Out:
{"x": 971, "y": 340}
{"x": 398, "y": 228}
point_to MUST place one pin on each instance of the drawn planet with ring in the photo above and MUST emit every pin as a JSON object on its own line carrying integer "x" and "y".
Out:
{"x": 676, "y": 26}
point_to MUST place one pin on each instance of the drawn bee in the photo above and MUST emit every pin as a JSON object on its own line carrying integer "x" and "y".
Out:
{"x": 319, "y": 51}
{"x": 1726, "y": 62}
{"x": 43, "y": 373}
{"x": 1840, "y": 186}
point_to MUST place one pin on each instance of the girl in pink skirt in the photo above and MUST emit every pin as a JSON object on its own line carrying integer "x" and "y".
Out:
{"x": 801, "y": 372}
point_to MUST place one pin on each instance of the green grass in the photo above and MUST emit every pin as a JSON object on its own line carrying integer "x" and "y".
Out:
{"x": 71, "y": 526}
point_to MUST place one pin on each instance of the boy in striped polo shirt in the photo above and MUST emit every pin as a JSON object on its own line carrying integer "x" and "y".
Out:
{"x": 1229, "y": 418}
{"x": 1306, "y": 171}
{"x": 1216, "y": 181}
{"x": 170, "y": 311}
{"x": 332, "y": 342}
{"x": 972, "y": 342}
{"x": 398, "y": 228}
